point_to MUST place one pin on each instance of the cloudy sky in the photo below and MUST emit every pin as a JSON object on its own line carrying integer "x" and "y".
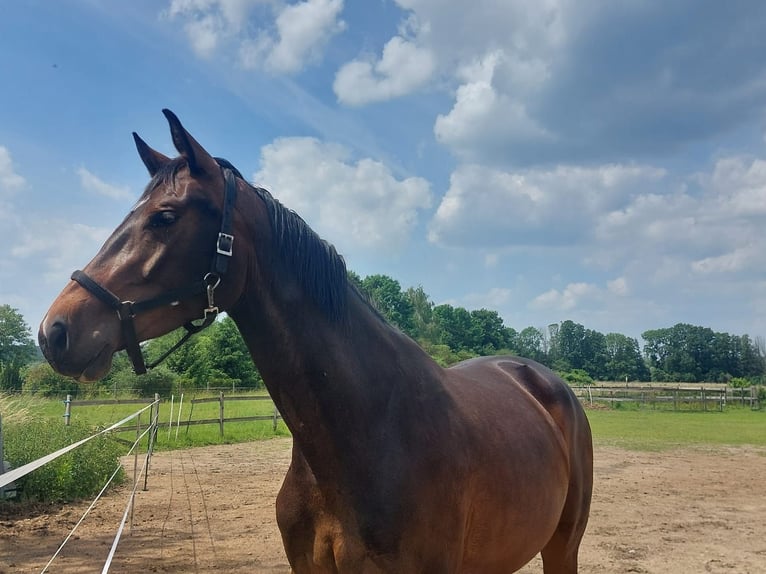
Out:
{"x": 595, "y": 160}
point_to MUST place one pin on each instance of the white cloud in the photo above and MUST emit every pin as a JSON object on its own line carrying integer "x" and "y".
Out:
{"x": 355, "y": 204}
{"x": 41, "y": 242}
{"x": 440, "y": 41}
{"x": 10, "y": 181}
{"x": 563, "y": 85}
{"x": 740, "y": 184}
{"x": 281, "y": 38}
{"x": 485, "y": 118}
{"x": 39, "y": 262}
{"x": 303, "y": 29}
{"x": 404, "y": 67}
{"x": 209, "y": 22}
{"x": 737, "y": 260}
{"x": 568, "y": 298}
{"x": 487, "y": 207}
{"x": 618, "y": 286}
{"x": 711, "y": 225}
{"x": 94, "y": 184}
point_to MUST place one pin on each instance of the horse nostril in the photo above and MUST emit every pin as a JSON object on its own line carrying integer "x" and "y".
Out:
{"x": 57, "y": 338}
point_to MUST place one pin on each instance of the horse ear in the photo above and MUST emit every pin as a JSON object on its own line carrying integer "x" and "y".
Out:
{"x": 200, "y": 162}
{"x": 153, "y": 160}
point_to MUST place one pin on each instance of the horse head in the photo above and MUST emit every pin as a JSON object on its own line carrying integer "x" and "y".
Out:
{"x": 171, "y": 262}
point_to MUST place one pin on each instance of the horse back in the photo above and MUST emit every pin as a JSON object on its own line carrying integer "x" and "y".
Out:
{"x": 518, "y": 383}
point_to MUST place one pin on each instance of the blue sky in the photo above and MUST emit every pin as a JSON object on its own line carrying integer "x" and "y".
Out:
{"x": 598, "y": 161}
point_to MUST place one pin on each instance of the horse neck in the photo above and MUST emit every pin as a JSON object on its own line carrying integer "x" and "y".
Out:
{"x": 337, "y": 385}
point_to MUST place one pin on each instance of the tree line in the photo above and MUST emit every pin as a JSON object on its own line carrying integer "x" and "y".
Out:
{"x": 218, "y": 356}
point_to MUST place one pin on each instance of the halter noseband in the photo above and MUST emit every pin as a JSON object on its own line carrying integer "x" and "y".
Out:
{"x": 127, "y": 310}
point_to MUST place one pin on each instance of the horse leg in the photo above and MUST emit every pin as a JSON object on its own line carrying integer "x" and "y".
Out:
{"x": 560, "y": 553}
{"x": 296, "y": 514}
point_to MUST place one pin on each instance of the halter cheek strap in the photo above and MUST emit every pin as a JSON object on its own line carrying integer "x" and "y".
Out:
{"x": 127, "y": 310}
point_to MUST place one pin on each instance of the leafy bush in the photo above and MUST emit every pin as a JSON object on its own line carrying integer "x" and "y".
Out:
{"x": 10, "y": 376}
{"x": 445, "y": 356}
{"x": 80, "y": 473}
{"x": 739, "y": 382}
{"x": 577, "y": 377}
{"x": 159, "y": 380}
{"x": 42, "y": 380}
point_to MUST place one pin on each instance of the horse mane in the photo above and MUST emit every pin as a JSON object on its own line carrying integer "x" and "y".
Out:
{"x": 319, "y": 268}
{"x": 298, "y": 249}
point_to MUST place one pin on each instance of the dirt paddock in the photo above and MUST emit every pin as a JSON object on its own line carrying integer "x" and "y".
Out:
{"x": 212, "y": 510}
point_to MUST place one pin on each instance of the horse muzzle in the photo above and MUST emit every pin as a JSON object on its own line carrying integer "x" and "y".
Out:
{"x": 82, "y": 359}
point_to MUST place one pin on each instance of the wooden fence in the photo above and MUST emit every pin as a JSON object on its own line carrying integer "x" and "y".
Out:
{"x": 221, "y": 420}
{"x": 703, "y": 397}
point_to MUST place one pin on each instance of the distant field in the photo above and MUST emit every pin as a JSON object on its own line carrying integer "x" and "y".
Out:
{"x": 648, "y": 429}
{"x": 641, "y": 429}
{"x": 196, "y": 435}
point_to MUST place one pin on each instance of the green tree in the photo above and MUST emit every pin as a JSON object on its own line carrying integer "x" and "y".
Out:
{"x": 424, "y": 326}
{"x": 229, "y": 357}
{"x": 576, "y": 347}
{"x": 691, "y": 353}
{"x": 455, "y": 327}
{"x": 530, "y": 343}
{"x": 215, "y": 357}
{"x": 386, "y": 294}
{"x": 489, "y": 334}
{"x": 624, "y": 360}
{"x": 191, "y": 361}
{"x": 16, "y": 344}
{"x": 159, "y": 380}
{"x": 10, "y": 377}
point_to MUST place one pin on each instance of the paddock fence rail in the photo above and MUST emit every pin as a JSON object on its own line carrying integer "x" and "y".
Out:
{"x": 220, "y": 420}
{"x": 669, "y": 396}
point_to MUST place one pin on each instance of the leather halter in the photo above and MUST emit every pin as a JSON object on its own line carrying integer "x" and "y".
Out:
{"x": 127, "y": 310}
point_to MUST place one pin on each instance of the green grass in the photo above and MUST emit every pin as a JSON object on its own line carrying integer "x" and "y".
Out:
{"x": 658, "y": 430}
{"x": 101, "y": 416}
{"x": 639, "y": 429}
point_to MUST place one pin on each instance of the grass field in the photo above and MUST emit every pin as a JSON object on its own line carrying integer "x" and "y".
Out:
{"x": 641, "y": 429}
{"x": 101, "y": 416}
{"x": 648, "y": 429}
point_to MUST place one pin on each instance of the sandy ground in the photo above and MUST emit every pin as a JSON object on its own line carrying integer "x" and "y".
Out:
{"x": 212, "y": 509}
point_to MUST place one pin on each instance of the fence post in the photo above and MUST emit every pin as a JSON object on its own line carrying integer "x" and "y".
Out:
{"x": 154, "y": 420}
{"x": 220, "y": 411}
{"x": 274, "y": 425}
{"x": 135, "y": 470}
{"x": 178, "y": 422}
{"x": 67, "y": 409}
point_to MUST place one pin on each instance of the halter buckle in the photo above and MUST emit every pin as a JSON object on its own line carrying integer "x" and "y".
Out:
{"x": 125, "y": 310}
{"x": 225, "y": 244}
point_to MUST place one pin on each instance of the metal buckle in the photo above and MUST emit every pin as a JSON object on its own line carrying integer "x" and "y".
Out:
{"x": 225, "y": 244}
{"x": 208, "y": 317}
{"x": 125, "y": 310}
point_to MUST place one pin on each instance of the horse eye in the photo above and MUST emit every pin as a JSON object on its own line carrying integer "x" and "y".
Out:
{"x": 163, "y": 218}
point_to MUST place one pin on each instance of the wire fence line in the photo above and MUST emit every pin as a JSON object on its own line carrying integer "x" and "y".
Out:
{"x": 150, "y": 430}
{"x": 94, "y": 501}
{"x": 131, "y": 501}
{"x": 21, "y": 471}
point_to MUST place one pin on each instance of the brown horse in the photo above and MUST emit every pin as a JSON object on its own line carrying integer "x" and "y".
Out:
{"x": 398, "y": 465}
